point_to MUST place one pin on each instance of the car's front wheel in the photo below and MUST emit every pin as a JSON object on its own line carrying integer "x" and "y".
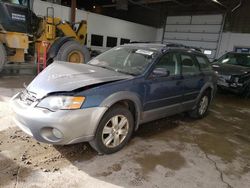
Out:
{"x": 114, "y": 130}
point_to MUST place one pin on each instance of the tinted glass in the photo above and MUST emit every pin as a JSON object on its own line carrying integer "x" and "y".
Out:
{"x": 170, "y": 63}
{"x": 236, "y": 59}
{"x": 188, "y": 65}
{"x": 204, "y": 63}
{"x": 222, "y": 58}
{"x": 124, "y": 59}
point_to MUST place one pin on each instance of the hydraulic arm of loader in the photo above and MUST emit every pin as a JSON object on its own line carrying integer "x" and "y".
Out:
{"x": 51, "y": 26}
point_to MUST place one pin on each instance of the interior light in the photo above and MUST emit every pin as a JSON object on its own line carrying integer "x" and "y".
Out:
{"x": 94, "y": 7}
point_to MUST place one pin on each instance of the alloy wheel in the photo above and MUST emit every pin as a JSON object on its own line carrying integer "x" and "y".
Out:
{"x": 115, "y": 131}
{"x": 203, "y": 105}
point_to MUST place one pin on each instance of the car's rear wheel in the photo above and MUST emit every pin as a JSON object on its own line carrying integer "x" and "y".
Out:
{"x": 246, "y": 91}
{"x": 202, "y": 106}
{"x": 114, "y": 130}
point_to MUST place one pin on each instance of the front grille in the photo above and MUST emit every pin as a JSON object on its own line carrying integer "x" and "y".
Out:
{"x": 27, "y": 97}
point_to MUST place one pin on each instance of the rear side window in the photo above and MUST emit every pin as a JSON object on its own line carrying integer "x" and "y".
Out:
{"x": 189, "y": 66}
{"x": 204, "y": 63}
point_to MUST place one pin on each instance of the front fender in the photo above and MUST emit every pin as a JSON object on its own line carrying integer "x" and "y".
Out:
{"x": 125, "y": 95}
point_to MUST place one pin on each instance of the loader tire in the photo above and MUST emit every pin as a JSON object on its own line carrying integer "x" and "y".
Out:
{"x": 3, "y": 56}
{"x": 73, "y": 52}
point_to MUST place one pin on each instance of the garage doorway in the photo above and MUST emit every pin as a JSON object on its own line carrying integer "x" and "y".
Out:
{"x": 201, "y": 31}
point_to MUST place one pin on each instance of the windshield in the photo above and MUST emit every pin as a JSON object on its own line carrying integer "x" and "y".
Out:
{"x": 124, "y": 59}
{"x": 18, "y": 2}
{"x": 237, "y": 59}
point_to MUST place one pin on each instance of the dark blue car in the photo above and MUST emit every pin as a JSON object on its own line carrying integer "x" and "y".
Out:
{"x": 103, "y": 102}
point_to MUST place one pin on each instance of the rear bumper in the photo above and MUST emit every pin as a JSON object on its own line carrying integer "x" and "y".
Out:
{"x": 61, "y": 127}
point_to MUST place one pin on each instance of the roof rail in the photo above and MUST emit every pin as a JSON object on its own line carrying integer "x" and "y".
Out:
{"x": 178, "y": 45}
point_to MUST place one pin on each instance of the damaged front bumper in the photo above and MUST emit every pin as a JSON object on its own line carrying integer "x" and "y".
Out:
{"x": 235, "y": 84}
{"x": 61, "y": 127}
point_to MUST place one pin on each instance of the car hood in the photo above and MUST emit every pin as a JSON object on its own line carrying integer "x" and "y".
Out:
{"x": 64, "y": 76}
{"x": 226, "y": 69}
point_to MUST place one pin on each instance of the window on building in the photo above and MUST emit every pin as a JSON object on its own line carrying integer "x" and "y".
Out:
{"x": 124, "y": 41}
{"x": 96, "y": 40}
{"x": 111, "y": 42}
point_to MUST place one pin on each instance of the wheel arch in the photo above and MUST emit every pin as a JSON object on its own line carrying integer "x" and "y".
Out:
{"x": 207, "y": 87}
{"x": 128, "y": 99}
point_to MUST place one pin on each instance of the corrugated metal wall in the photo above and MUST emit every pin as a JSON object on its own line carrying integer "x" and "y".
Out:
{"x": 201, "y": 31}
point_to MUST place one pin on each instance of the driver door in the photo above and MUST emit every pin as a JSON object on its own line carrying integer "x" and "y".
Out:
{"x": 163, "y": 95}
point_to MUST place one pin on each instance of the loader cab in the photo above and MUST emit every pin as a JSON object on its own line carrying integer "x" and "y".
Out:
{"x": 16, "y": 16}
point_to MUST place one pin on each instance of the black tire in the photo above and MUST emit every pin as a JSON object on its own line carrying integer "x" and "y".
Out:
{"x": 246, "y": 92}
{"x": 198, "y": 113}
{"x": 98, "y": 142}
{"x": 70, "y": 47}
{"x": 3, "y": 56}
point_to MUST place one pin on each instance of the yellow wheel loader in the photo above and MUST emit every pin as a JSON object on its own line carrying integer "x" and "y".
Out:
{"x": 23, "y": 35}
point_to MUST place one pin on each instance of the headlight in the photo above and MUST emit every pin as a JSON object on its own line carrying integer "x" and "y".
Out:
{"x": 55, "y": 103}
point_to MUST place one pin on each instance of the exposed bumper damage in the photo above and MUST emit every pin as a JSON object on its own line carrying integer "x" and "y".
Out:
{"x": 239, "y": 84}
{"x": 61, "y": 127}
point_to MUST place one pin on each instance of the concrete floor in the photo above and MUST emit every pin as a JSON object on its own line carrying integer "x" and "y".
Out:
{"x": 172, "y": 152}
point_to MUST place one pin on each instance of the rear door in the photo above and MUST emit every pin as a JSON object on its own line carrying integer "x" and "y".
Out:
{"x": 193, "y": 79}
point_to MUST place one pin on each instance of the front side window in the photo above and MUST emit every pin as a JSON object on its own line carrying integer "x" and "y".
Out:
{"x": 189, "y": 66}
{"x": 127, "y": 60}
{"x": 170, "y": 63}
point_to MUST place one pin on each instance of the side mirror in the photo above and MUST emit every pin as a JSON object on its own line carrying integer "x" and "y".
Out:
{"x": 160, "y": 72}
